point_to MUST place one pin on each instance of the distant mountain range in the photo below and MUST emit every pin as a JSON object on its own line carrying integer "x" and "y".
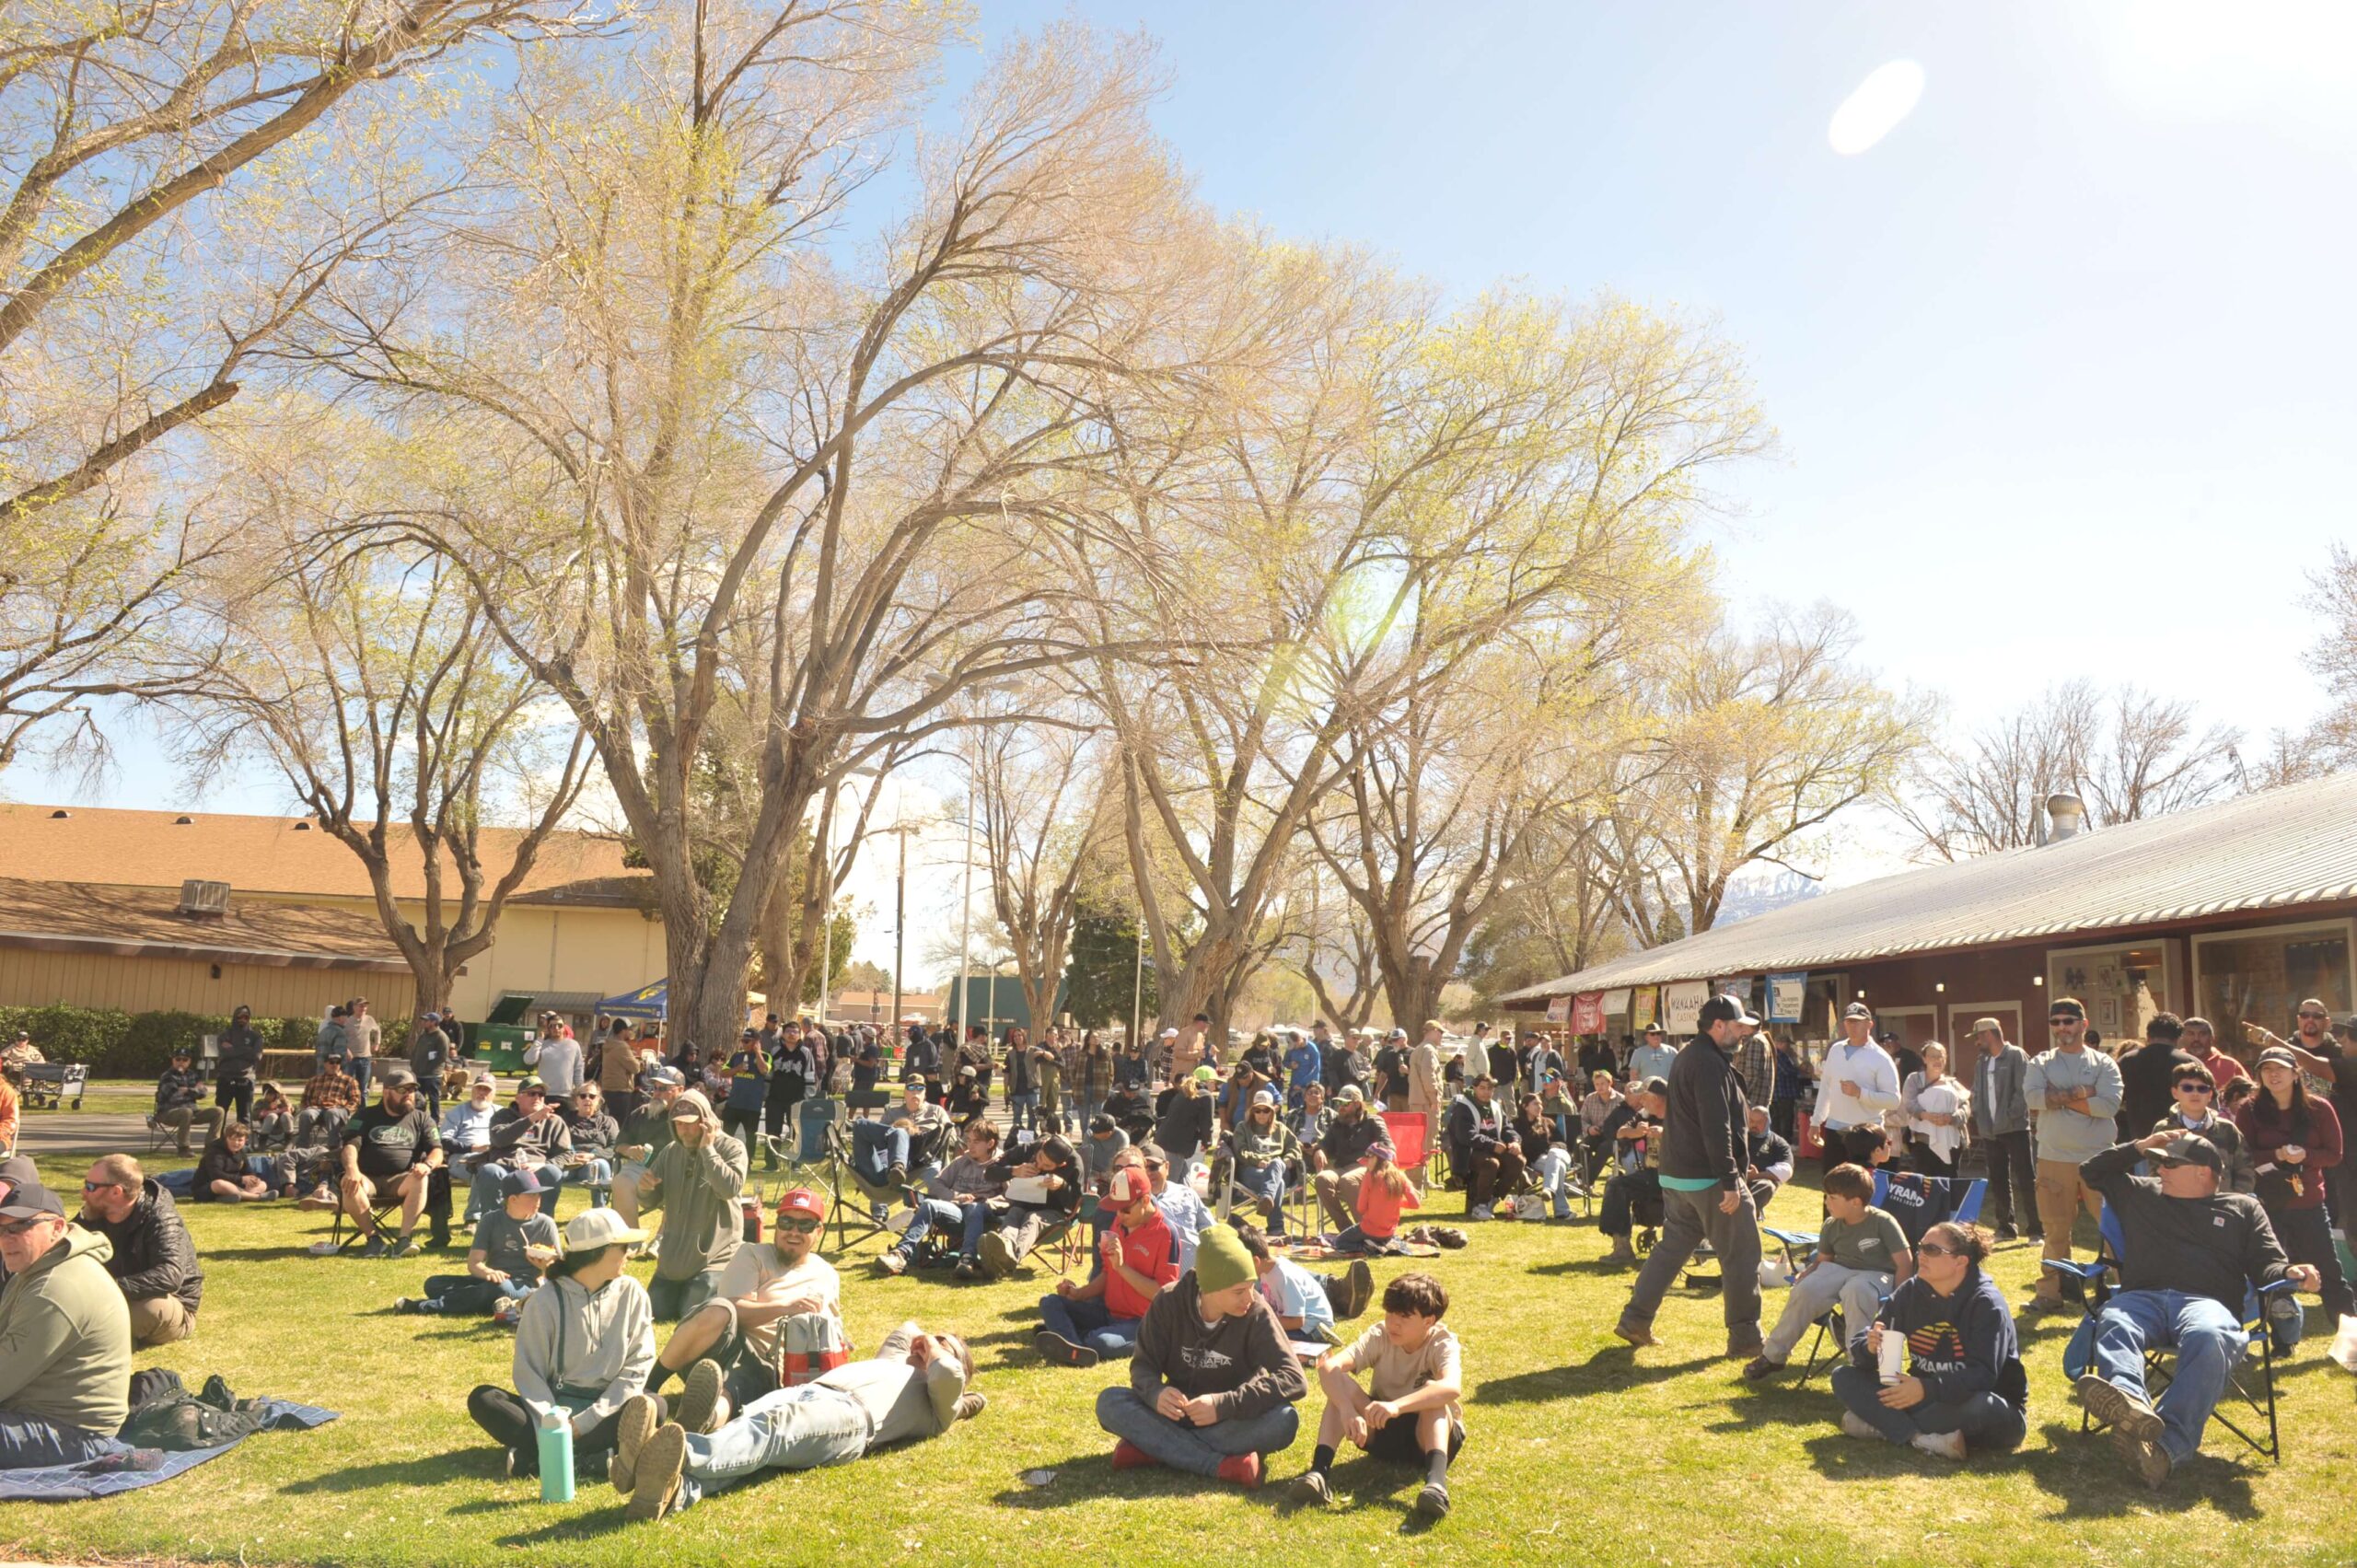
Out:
{"x": 1751, "y": 895}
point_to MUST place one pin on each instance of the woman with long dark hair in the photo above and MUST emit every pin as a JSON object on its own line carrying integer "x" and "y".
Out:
{"x": 2293, "y": 1139}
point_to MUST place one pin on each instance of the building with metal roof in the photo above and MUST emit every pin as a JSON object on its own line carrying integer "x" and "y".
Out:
{"x": 2233, "y": 910}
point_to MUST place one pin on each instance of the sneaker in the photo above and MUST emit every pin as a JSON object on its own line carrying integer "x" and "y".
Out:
{"x": 1312, "y": 1487}
{"x": 1478, "y": 1212}
{"x": 966, "y": 1269}
{"x": 2119, "y": 1409}
{"x": 507, "y": 1313}
{"x": 699, "y": 1398}
{"x": 2008, "y": 1233}
{"x": 1637, "y": 1334}
{"x": 2145, "y": 1459}
{"x": 1432, "y": 1503}
{"x": 408, "y": 1248}
{"x": 894, "y": 1264}
{"x": 1054, "y": 1347}
{"x": 1759, "y": 1369}
{"x": 518, "y": 1463}
{"x": 1245, "y": 1470}
{"x": 1128, "y": 1455}
{"x": 998, "y": 1259}
{"x": 1939, "y": 1445}
{"x": 661, "y": 1460}
{"x": 1858, "y": 1427}
{"x": 317, "y": 1199}
{"x": 376, "y": 1247}
{"x": 1359, "y": 1284}
{"x": 640, "y": 1416}
{"x": 406, "y": 1304}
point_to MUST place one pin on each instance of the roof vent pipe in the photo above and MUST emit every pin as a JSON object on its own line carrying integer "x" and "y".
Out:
{"x": 2066, "y": 816}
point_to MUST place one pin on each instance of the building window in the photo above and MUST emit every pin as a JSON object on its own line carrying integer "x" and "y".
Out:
{"x": 2259, "y": 976}
{"x": 2121, "y": 986}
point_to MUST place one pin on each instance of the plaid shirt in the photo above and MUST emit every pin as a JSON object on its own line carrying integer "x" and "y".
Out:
{"x": 1755, "y": 1063}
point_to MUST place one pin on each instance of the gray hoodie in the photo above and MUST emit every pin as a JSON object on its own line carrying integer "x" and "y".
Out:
{"x": 569, "y": 1341}
{"x": 698, "y": 1192}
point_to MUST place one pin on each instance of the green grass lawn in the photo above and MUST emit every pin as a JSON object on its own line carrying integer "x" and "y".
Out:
{"x": 1581, "y": 1450}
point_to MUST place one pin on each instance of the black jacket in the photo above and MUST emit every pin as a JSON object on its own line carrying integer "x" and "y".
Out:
{"x": 241, "y": 1047}
{"x": 1347, "y": 1142}
{"x": 1473, "y": 1128}
{"x": 1706, "y": 1134}
{"x": 152, "y": 1256}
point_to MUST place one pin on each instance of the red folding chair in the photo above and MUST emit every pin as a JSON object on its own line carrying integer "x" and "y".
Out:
{"x": 1407, "y": 1148}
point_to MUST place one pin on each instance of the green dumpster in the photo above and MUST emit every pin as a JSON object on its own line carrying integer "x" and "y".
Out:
{"x": 499, "y": 1041}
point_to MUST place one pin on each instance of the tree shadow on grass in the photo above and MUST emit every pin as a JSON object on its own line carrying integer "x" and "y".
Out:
{"x": 417, "y": 1470}
{"x": 1613, "y": 1367}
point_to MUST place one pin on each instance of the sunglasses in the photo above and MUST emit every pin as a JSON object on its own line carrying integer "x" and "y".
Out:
{"x": 2195, "y": 1089}
{"x": 799, "y": 1226}
{"x": 2316, "y": 1014}
{"x": 2064, "y": 1018}
{"x": 99, "y": 1186}
{"x": 1935, "y": 1250}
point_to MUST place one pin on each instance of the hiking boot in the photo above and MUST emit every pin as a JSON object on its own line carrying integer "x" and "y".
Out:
{"x": 2145, "y": 1459}
{"x": 1432, "y": 1503}
{"x": 1128, "y": 1455}
{"x": 1638, "y": 1334}
{"x": 894, "y": 1264}
{"x": 2119, "y": 1409}
{"x": 966, "y": 1269}
{"x": 636, "y": 1422}
{"x": 1312, "y": 1487}
{"x": 1359, "y": 1287}
{"x": 1858, "y": 1427}
{"x": 1245, "y": 1470}
{"x": 1940, "y": 1445}
{"x": 1623, "y": 1253}
{"x": 661, "y": 1460}
{"x": 376, "y": 1247}
{"x": 896, "y": 1177}
{"x": 699, "y": 1399}
{"x": 1759, "y": 1369}
{"x": 998, "y": 1258}
{"x": 1054, "y": 1347}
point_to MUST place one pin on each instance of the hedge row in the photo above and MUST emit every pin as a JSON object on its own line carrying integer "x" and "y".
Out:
{"x": 116, "y": 1044}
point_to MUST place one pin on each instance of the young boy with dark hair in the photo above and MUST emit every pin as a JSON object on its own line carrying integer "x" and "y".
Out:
{"x": 1408, "y": 1412}
{"x": 1861, "y": 1255}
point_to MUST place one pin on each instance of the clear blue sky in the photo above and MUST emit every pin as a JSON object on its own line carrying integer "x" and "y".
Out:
{"x": 2061, "y": 364}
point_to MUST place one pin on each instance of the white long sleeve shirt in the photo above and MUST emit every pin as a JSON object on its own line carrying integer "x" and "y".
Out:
{"x": 1874, "y": 1073}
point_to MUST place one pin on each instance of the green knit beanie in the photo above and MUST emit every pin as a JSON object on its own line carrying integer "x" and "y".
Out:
{"x": 1221, "y": 1261}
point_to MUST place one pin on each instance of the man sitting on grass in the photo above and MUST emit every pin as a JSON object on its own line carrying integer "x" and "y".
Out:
{"x": 2190, "y": 1254}
{"x": 64, "y": 1336}
{"x": 153, "y": 1260}
{"x": 1861, "y": 1255}
{"x": 1213, "y": 1383}
{"x": 1408, "y": 1412}
{"x": 391, "y": 1148}
{"x": 1085, "y": 1322}
{"x": 777, "y": 1322}
{"x": 513, "y": 1247}
{"x": 914, "y": 1387}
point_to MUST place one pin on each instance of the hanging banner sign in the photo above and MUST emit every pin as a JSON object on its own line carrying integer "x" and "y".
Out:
{"x": 1682, "y": 1005}
{"x": 1559, "y": 1008}
{"x": 1642, "y": 1005}
{"x": 1587, "y": 1012}
{"x": 1616, "y": 1003}
{"x": 1786, "y": 996}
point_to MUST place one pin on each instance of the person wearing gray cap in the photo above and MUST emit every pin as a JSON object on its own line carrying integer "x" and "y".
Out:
{"x": 65, "y": 1334}
{"x": 2189, "y": 1255}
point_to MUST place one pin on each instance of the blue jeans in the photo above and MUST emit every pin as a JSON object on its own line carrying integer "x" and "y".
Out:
{"x": 805, "y": 1428}
{"x": 1266, "y": 1182}
{"x": 1023, "y": 1111}
{"x": 1185, "y": 1446}
{"x": 939, "y": 1214}
{"x": 360, "y": 1067}
{"x": 1089, "y": 1323}
{"x": 2209, "y": 1342}
{"x": 876, "y": 1147}
{"x": 1986, "y": 1420}
{"x": 1553, "y": 1168}
{"x": 27, "y": 1442}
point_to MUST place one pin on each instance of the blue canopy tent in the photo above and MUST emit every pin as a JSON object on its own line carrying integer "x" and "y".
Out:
{"x": 652, "y": 1000}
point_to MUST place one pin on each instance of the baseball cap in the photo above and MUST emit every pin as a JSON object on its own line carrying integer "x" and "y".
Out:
{"x": 531, "y": 1082}
{"x": 481, "y": 1081}
{"x": 431, "y": 1016}
{"x": 2189, "y": 1149}
{"x": 1725, "y": 1009}
{"x": 1170, "y": 1034}
{"x": 593, "y": 1228}
{"x": 524, "y": 1182}
{"x": 1987, "y": 1025}
{"x": 1857, "y": 1010}
{"x": 394, "y": 1078}
{"x": 29, "y": 1200}
{"x": 1655, "y": 1086}
{"x": 801, "y": 1200}
{"x": 2067, "y": 1004}
{"x": 1265, "y": 1096}
{"x": 1396, "y": 1034}
{"x": 1206, "y": 1076}
{"x": 2347, "y": 1026}
{"x": 667, "y": 1077}
{"x": 1100, "y": 1122}
{"x": 2276, "y": 1056}
{"x": 181, "y": 1052}
{"x": 1350, "y": 1094}
{"x": 1120, "y": 1193}
{"x": 750, "y": 1034}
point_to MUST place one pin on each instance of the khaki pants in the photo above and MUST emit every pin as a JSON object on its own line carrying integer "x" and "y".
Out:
{"x": 1337, "y": 1194}
{"x": 2061, "y": 1195}
{"x": 180, "y": 1118}
{"x": 159, "y": 1321}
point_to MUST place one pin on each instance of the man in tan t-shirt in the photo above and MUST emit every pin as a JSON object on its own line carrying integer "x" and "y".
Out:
{"x": 732, "y": 1348}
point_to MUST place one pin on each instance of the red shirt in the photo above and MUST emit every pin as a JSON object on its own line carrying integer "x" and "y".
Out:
{"x": 2266, "y": 1129}
{"x": 2223, "y": 1069}
{"x": 1149, "y": 1251}
{"x": 1379, "y": 1210}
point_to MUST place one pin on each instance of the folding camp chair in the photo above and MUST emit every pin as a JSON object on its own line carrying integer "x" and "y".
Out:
{"x": 847, "y": 1188}
{"x": 382, "y": 1210}
{"x": 1406, "y": 1129}
{"x": 2095, "y": 1285}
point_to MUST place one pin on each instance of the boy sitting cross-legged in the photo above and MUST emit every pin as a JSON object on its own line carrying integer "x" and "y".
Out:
{"x": 1408, "y": 1412}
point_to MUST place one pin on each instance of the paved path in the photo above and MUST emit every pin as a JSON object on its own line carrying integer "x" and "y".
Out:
{"x": 61, "y": 1132}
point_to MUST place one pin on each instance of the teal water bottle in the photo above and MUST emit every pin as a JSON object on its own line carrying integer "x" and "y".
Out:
{"x": 556, "y": 1458}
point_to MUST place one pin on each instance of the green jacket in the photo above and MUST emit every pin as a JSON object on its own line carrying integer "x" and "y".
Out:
{"x": 697, "y": 1189}
{"x": 65, "y": 1338}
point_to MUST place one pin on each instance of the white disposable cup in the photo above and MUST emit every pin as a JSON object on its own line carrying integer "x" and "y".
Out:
{"x": 1893, "y": 1356}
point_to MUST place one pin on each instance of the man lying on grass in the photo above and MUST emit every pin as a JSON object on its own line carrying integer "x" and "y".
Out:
{"x": 1213, "y": 1383}
{"x": 1407, "y": 1414}
{"x": 913, "y": 1387}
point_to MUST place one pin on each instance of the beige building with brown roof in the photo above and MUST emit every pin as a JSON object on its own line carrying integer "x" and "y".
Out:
{"x": 581, "y": 927}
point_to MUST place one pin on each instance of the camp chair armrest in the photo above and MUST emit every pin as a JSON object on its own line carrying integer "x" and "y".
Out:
{"x": 2076, "y": 1271}
{"x": 1791, "y": 1238}
{"x": 2277, "y": 1288}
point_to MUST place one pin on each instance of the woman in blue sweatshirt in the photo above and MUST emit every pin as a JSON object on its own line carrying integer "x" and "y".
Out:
{"x": 1965, "y": 1387}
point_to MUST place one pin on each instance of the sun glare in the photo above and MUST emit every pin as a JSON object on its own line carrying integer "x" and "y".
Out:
{"x": 1887, "y": 96}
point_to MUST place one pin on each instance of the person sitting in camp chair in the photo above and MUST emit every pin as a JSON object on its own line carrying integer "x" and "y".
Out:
{"x": 967, "y": 1185}
{"x": 1259, "y": 1156}
{"x": 1632, "y": 1131}
{"x": 1861, "y": 1255}
{"x": 1043, "y": 1191}
{"x": 885, "y": 1153}
{"x": 777, "y": 1322}
{"x": 2190, "y": 1255}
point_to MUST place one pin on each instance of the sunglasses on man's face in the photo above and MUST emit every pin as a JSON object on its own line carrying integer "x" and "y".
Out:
{"x": 2194, "y": 1089}
{"x": 801, "y": 1226}
{"x": 2060, "y": 1019}
{"x": 2316, "y": 1014}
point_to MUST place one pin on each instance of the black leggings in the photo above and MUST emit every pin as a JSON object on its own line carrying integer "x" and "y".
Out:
{"x": 503, "y": 1415}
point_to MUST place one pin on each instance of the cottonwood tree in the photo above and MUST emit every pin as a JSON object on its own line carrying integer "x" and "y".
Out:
{"x": 705, "y": 426}
{"x": 1041, "y": 806}
{"x": 1763, "y": 740}
{"x": 178, "y": 179}
{"x": 371, "y": 680}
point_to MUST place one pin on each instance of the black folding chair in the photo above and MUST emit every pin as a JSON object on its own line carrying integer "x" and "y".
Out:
{"x": 846, "y": 1186}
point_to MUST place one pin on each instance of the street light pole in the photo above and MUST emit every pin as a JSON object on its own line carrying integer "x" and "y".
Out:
{"x": 965, "y": 916}
{"x": 899, "y": 922}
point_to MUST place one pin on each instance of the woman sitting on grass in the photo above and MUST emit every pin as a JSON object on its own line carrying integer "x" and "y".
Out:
{"x": 1965, "y": 1388}
{"x": 1381, "y": 1198}
{"x": 584, "y": 1346}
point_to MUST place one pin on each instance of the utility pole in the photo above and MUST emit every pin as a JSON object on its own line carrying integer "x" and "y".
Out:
{"x": 899, "y": 922}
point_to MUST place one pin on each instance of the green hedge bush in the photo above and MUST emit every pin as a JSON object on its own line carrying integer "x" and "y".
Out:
{"x": 115, "y": 1044}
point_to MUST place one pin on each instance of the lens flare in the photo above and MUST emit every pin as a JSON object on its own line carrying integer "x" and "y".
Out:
{"x": 1887, "y": 96}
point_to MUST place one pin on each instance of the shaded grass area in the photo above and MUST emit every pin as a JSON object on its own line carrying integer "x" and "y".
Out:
{"x": 1580, "y": 1449}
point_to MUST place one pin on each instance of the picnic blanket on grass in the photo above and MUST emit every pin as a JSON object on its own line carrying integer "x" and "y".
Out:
{"x": 135, "y": 1468}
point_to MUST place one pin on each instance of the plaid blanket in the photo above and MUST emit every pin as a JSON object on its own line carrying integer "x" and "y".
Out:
{"x": 135, "y": 1468}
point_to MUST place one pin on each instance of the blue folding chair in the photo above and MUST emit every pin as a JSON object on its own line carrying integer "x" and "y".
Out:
{"x": 2095, "y": 1285}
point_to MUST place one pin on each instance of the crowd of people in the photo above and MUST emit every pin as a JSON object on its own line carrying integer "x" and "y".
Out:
{"x": 2222, "y": 1213}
